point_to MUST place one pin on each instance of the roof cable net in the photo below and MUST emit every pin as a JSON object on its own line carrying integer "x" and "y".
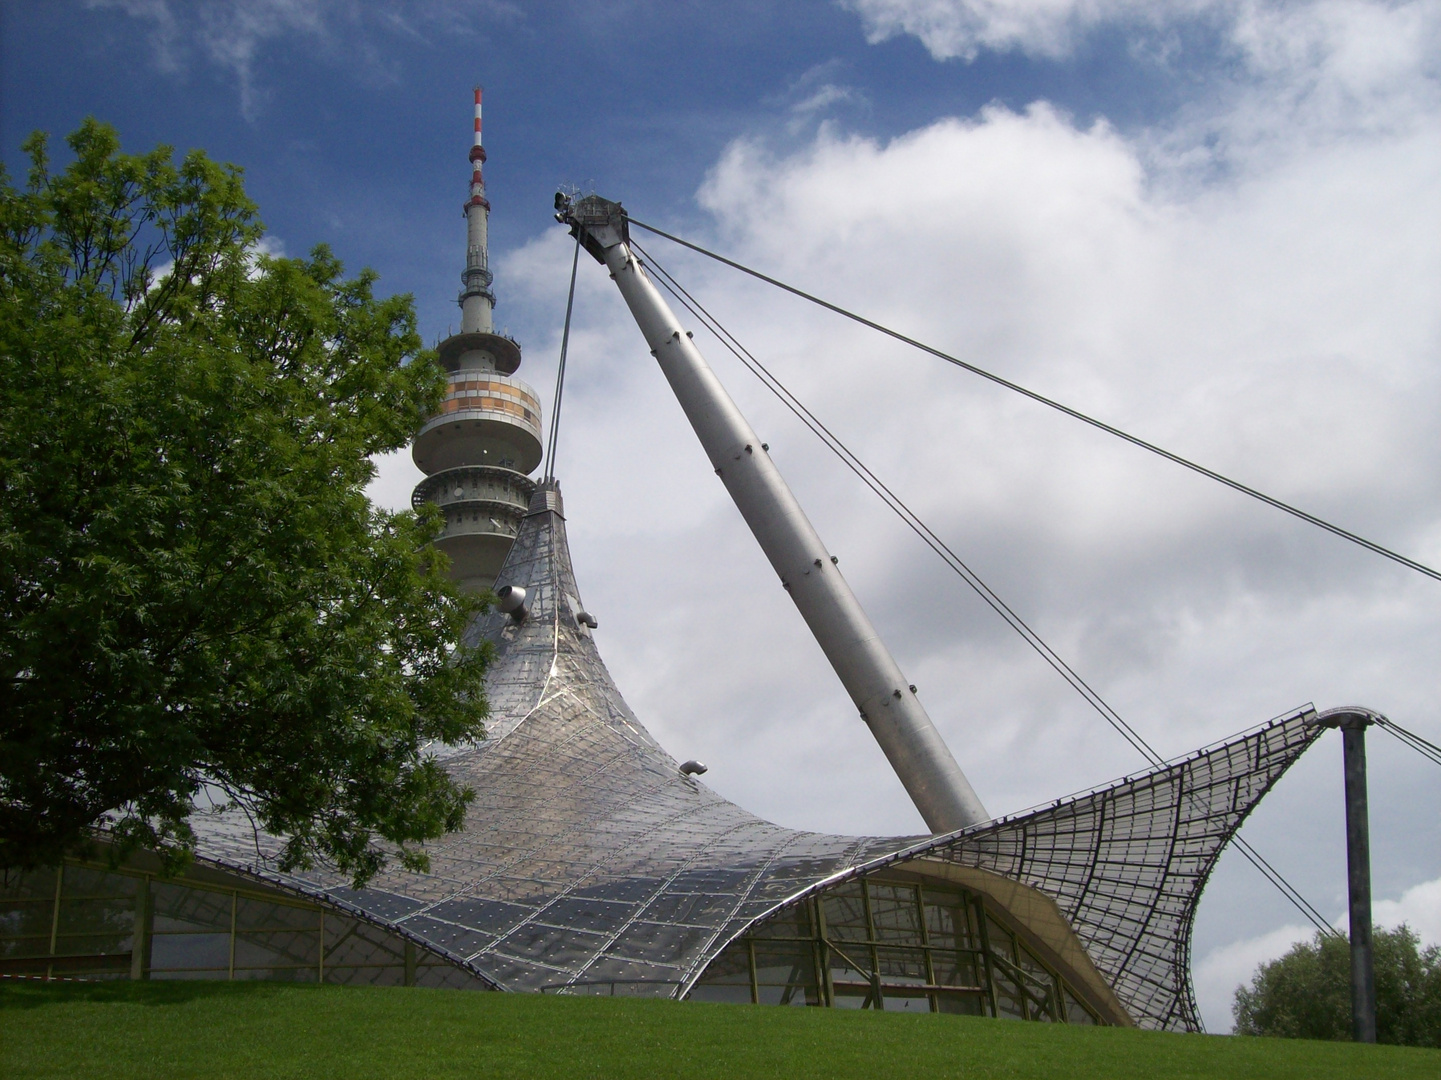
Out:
{"x": 590, "y": 864}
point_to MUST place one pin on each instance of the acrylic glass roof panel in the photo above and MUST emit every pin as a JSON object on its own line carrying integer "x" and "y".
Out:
{"x": 587, "y": 861}
{"x": 1126, "y": 863}
{"x": 586, "y": 856}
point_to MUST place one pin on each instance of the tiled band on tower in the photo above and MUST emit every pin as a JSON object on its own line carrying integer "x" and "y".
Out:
{"x": 478, "y": 450}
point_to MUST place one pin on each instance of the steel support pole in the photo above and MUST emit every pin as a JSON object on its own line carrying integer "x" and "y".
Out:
{"x": 1358, "y": 874}
{"x": 881, "y": 692}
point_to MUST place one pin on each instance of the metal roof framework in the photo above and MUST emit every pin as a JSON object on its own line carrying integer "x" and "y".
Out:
{"x": 589, "y": 863}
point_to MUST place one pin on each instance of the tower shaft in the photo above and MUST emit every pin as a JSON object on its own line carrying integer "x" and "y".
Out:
{"x": 477, "y": 449}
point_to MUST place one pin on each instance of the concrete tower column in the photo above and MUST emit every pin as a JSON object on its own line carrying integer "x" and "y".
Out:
{"x": 479, "y": 448}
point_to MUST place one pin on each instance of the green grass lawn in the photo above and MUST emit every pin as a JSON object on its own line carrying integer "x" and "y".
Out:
{"x": 263, "y": 1030}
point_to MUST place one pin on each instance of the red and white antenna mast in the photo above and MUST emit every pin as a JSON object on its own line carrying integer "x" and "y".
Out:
{"x": 476, "y": 300}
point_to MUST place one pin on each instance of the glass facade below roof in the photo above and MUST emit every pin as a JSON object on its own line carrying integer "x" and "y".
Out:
{"x": 93, "y": 922}
{"x": 902, "y": 946}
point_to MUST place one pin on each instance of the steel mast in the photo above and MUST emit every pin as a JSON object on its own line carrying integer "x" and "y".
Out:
{"x": 808, "y": 572}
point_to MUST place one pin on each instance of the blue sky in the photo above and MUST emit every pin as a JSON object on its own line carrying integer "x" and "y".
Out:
{"x": 1214, "y": 222}
{"x": 344, "y": 116}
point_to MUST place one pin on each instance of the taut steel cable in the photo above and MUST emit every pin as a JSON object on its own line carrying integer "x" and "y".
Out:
{"x": 549, "y": 472}
{"x": 956, "y": 564}
{"x": 1134, "y": 440}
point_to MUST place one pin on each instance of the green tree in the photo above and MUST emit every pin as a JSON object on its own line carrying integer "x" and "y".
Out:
{"x": 198, "y": 603}
{"x": 1306, "y": 994}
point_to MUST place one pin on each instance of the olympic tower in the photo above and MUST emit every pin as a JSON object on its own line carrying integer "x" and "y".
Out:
{"x": 479, "y": 448}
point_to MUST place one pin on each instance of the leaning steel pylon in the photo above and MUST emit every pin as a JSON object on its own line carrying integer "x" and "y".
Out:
{"x": 477, "y": 450}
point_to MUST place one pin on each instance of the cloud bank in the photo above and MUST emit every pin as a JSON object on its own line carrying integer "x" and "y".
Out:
{"x": 1267, "y": 37}
{"x": 1224, "y": 968}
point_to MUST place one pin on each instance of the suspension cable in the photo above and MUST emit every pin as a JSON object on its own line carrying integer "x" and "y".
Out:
{"x": 1076, "y": 414}
{"x": 956, "y": 564}
{"x": 1428, "y": 750}
{"x": 906, "y": 514}
{"x": 549, "y": 473}
{"x": 1271, "y": 874}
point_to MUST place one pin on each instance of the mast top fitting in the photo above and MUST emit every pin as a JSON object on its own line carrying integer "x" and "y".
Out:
{"x": 598, "y": 223}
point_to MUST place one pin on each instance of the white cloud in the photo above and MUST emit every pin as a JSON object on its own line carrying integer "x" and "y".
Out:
{"x": 227, "y": 34}
{"x": 823, "y": 97}
{"x": 1222, "y": 970}
{"x": 1284, "y": 74}
{"x": 1320, "y": 74}
{"x": 395, "y": 478}
{"x": 1419, "y": 908}
{"x": 1336, "y": 58}
{"x": 1226, "y": 967}
{"x": 963, "y": 28}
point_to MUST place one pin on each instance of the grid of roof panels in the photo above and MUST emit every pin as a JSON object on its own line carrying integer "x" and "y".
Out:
{"x": 589, "y": 864}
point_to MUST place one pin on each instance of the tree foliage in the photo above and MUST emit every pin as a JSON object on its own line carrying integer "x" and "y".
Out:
{"x": 1306, "y": 994}
{"x": 198, "y": 603}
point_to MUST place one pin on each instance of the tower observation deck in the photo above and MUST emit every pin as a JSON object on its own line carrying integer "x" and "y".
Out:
{"x": 479, "y": 448}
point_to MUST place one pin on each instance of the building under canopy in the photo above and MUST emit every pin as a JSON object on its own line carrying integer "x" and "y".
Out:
{"x": 590, "y": 864}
